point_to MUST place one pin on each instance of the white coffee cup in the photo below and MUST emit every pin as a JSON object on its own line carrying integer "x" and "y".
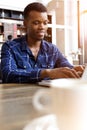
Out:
{"x": 67, "y": 99}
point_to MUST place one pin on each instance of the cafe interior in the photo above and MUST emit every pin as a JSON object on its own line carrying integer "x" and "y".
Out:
{"x": 67, "y": 29}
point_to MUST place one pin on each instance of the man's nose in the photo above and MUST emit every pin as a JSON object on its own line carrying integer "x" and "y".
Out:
{"x": 42, "y": 26}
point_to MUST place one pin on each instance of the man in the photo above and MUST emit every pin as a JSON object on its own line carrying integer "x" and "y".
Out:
{"x": 30, "y": 59}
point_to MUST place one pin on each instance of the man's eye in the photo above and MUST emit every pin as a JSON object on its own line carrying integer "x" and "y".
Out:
{"x": 36, "y": 22}
{"x": 45, "y": 23}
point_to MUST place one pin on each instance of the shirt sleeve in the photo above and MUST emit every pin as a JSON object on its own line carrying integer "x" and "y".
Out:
{"x": 62, "y": 60}
{"x": 10, "y": 71}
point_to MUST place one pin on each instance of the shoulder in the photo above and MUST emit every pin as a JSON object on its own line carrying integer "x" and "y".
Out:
{"x": 12, "y": 44}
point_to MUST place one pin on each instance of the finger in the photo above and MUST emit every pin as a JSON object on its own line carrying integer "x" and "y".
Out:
{"x": 79, "y": 68}
{"x": 75, "y": 73}
{"x": 80, "y": 73}
{"x": 71, "y": 73}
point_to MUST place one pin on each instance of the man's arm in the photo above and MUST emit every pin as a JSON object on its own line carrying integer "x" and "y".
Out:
{"x": 63, "y": 72}
{"x": 12, "y": 73}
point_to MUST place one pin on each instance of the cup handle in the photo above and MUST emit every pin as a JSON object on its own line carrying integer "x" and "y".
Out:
{"x": 42, "y": 100}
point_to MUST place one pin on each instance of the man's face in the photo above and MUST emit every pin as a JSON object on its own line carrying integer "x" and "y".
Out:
{"x": 36, "y": 25}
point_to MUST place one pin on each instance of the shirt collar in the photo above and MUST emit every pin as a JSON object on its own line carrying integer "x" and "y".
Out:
{"x": 24, "y": 44}
{"x": 44, "y": 45}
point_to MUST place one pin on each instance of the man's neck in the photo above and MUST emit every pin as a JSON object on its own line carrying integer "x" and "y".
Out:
{"x": 34, "y": 46}
{"x": 33, "y": 43}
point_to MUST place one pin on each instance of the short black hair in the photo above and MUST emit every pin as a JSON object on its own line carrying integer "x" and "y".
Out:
{"x": 34, "y": 6}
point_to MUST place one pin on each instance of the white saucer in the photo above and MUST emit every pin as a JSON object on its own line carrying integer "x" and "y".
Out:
{"x": 47, "y": 122}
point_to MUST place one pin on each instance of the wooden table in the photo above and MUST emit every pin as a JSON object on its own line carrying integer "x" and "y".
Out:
{"x": 16, "y": 109}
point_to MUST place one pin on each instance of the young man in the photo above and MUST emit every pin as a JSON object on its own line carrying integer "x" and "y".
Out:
{"x": 30, "y": 59}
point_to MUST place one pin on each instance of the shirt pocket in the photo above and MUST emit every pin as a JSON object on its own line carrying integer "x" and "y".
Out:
{"x": 49, "y": 66}
{"x": 21, "y": 64}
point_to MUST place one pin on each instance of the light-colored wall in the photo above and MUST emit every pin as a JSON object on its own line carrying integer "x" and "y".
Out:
{"x": 19, "y": 5}
{"x": 14, "y": 4}
{"x": 65, "y": 25}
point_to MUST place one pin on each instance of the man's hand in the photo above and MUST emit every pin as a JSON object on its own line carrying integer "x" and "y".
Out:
{"x": 63, "y": 72}
{"x": 79, "y": 69}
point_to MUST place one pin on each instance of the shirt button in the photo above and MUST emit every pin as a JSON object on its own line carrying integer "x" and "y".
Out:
{"x": 35, "y": 65}
{"x": 48, "y": 66}
{"x": 25, "y": 67}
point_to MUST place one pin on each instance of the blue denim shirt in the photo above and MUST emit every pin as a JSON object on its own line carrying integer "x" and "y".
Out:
{"x": 18, "y": 64}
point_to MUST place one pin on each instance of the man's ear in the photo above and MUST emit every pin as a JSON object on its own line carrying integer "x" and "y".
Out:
{"x": 24, "y": 23}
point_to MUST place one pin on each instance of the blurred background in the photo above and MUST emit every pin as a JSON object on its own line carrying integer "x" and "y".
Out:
{"x": 67, "y": 27}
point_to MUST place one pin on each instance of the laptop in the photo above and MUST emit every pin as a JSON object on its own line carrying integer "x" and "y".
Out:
{"x": 84, "y": 75}
{"x": 55, "y": 82}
